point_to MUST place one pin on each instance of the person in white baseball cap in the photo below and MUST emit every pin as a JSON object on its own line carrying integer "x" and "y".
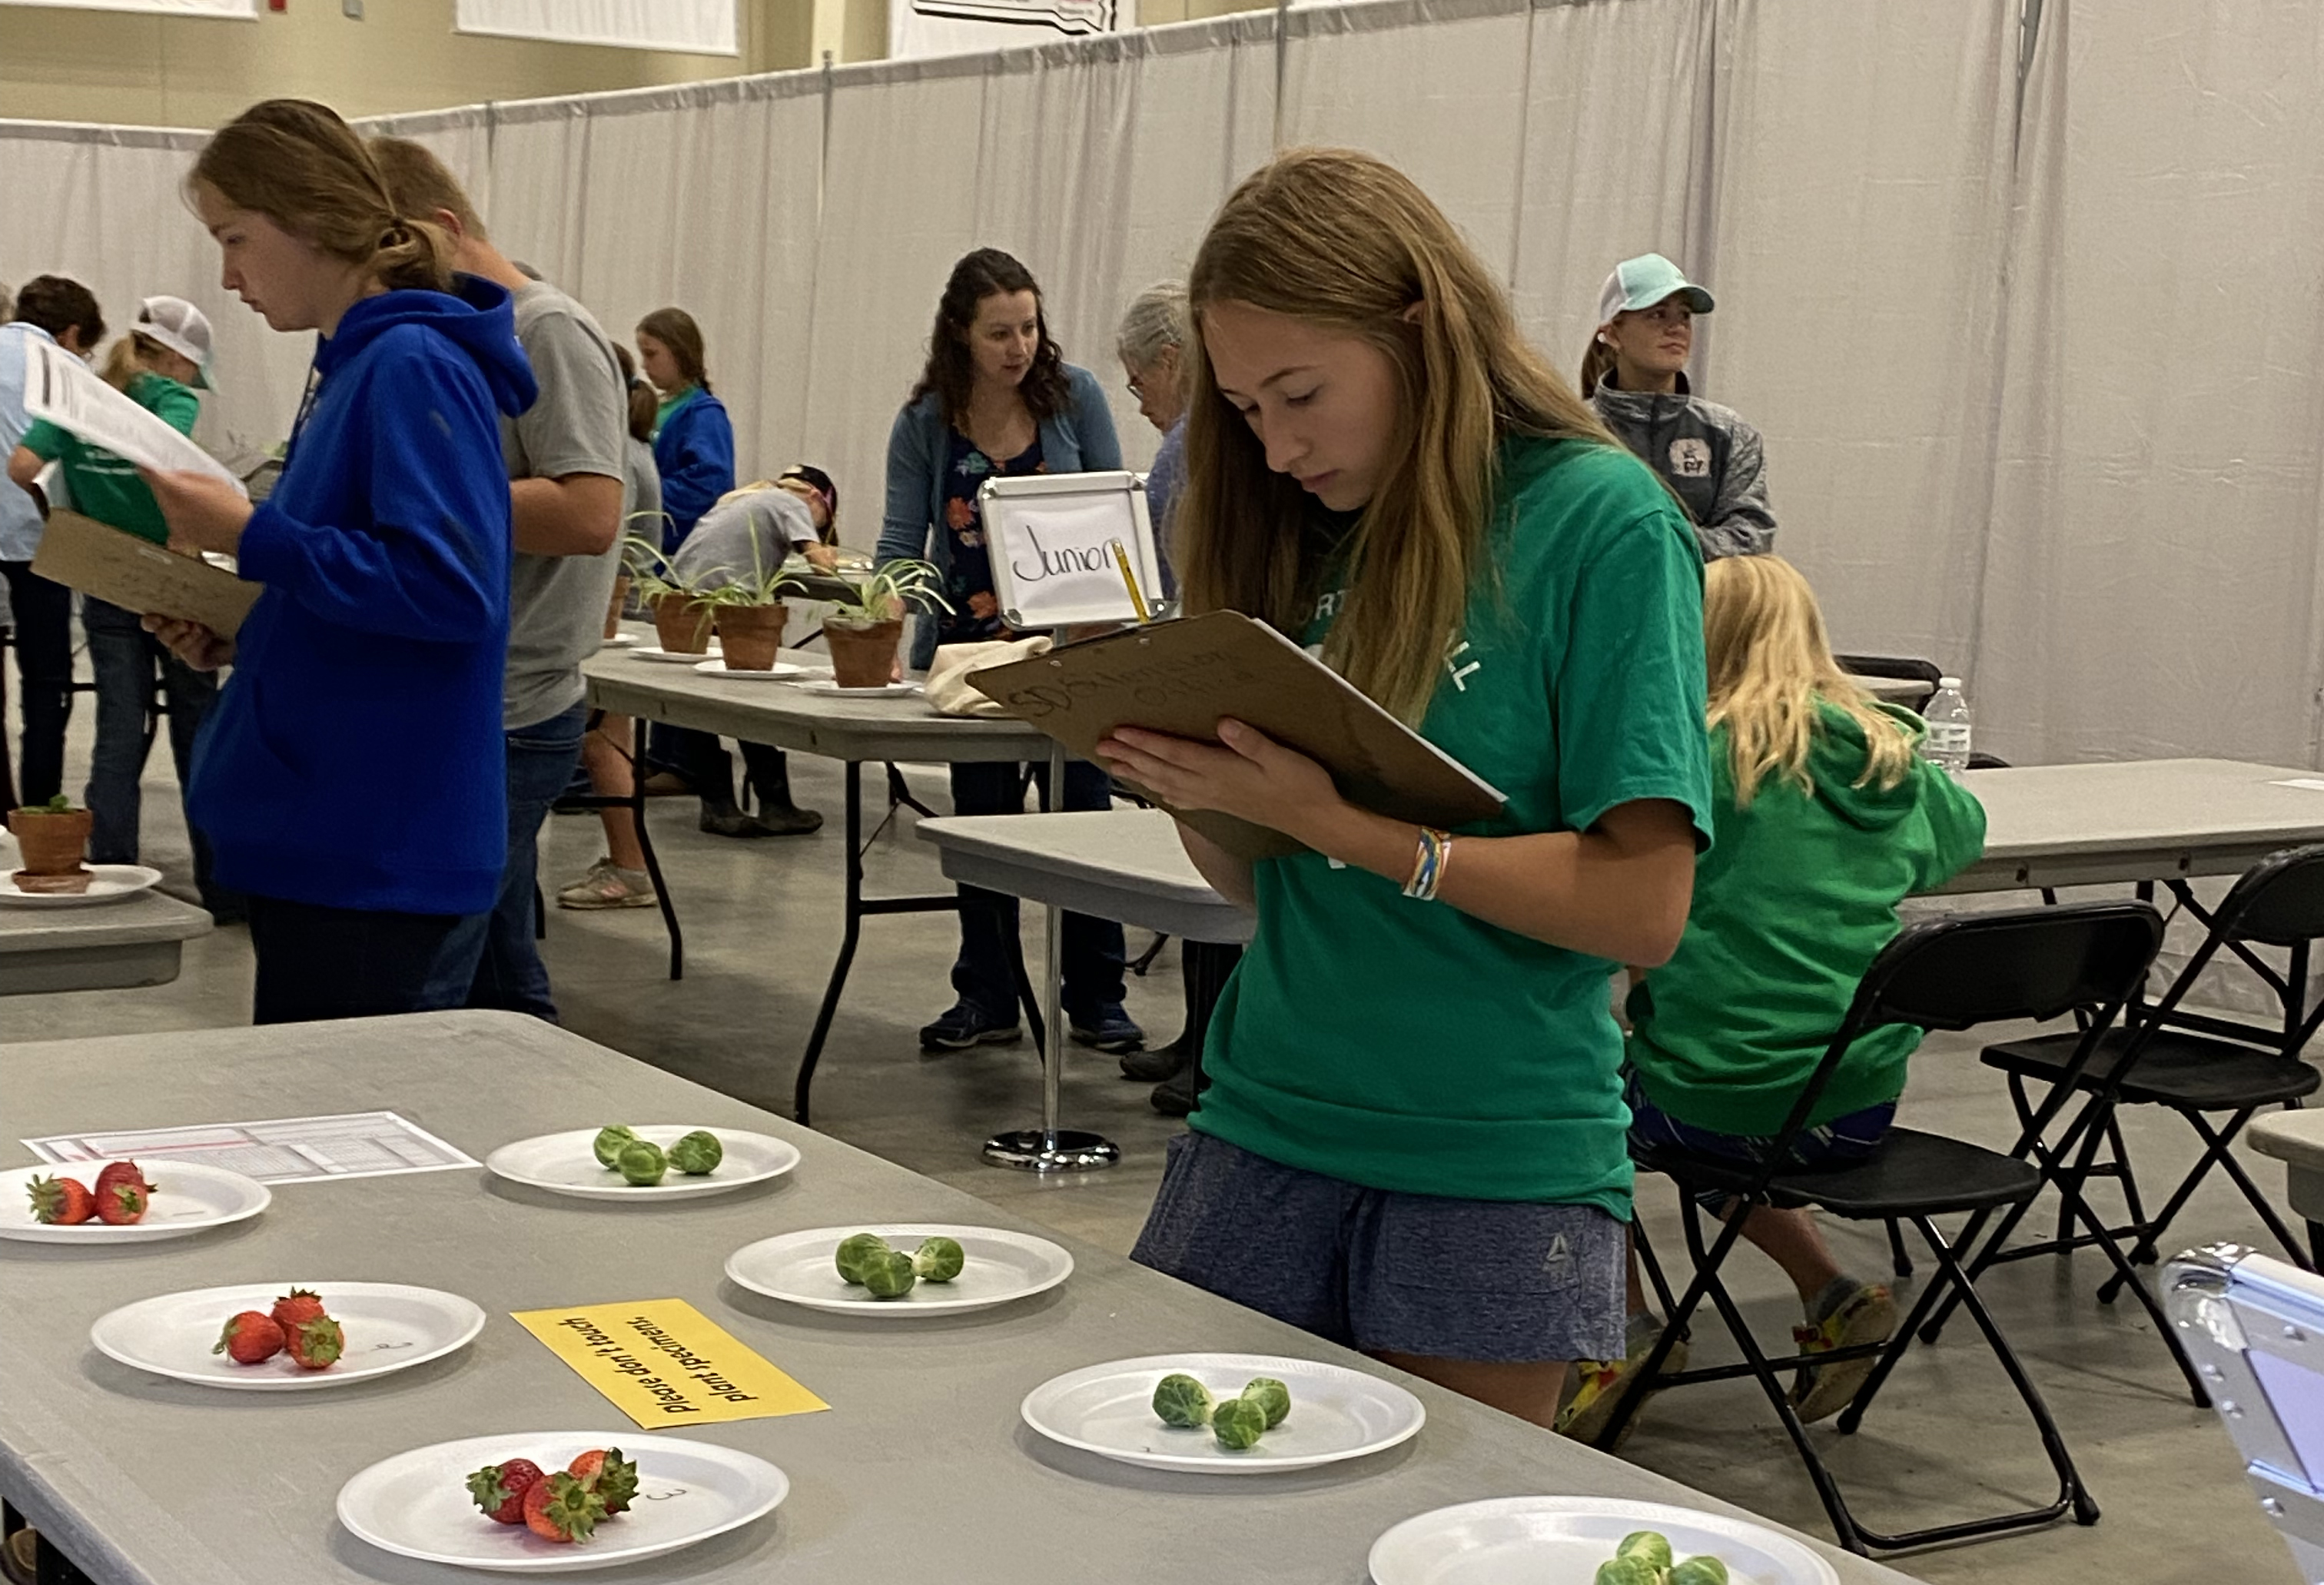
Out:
{"x": 176, "y": 325}
{"x": 1635, "y": 374}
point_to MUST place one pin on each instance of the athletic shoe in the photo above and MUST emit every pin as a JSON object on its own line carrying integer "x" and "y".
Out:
{"x": 1604, "y": 1383}
{"x": 1160, "y": 1061}
{"x": 1868, "y": 1315}
{"x": 965, "y": 1027}
{"x": 609, "y": 885}
{"x": 1111, "y": 1031}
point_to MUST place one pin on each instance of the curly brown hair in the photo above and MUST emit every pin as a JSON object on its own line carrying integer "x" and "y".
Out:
{"x": 951, "y": 371}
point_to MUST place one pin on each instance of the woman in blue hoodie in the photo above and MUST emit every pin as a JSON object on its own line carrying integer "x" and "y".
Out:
{"x": 694, "y": 440}
{"x": 384, "y": 551}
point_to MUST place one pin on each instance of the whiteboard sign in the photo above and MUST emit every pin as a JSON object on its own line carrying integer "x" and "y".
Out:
{"x": 1051, "y": 538}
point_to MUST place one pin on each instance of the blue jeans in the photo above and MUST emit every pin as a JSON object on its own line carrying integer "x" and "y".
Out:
{"x": 318, "y": 962}
{"x": 510, "y": 976}
{"x": 982, "y": 976}
{"x": 42, "y": 613}
{"x": 124, "y": 656}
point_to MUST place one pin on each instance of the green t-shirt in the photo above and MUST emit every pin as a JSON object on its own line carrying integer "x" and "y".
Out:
{"x": 105, "y": 486}
{"x": 1407, "y": 1046}
{"x": 1796, "y": 897}
{"x": 668, "y": 407}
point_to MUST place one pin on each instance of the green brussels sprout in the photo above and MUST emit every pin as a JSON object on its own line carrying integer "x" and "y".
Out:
{"x": 1270, "y": 1395}
{"x": 698, "y": 1154}
{"x": 887, "y": 1273}
{"x": 609, "y": 1143}
{"x": 642, "y": 1164}
{"x": 1237, "y": 1422}
{"x": 1628, "y": 1571}
{"x": 1649, "y": 1544}
{"x": 1182, "y": 1401}
{"x": 854, "y": 1251}
{"x": 1699, "y": 1570}
{"x": 938, "y": 1260}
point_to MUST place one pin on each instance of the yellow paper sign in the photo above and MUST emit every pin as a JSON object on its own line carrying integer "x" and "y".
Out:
{"x": 662, "y": 1362}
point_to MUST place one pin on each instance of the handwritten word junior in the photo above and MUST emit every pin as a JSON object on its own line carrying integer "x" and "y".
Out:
{"x": 1073, "y": 559}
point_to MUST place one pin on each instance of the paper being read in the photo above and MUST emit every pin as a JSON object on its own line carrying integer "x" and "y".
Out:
{"x": 66, "y": 393}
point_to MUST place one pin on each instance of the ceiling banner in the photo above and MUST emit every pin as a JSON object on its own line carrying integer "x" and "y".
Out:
{"x": 697, "y": 27}
{"x": 231, "y": 10}
{"x": 957, "y": 27}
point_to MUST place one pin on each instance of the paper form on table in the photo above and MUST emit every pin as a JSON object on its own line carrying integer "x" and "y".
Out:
{"x": 282, "y": 1150}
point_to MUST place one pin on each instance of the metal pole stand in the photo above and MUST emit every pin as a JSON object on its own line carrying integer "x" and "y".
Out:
{"x": 1049, "y": 1148}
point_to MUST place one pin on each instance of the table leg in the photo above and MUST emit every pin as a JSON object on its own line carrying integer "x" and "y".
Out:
{"x": 636, "y": 802}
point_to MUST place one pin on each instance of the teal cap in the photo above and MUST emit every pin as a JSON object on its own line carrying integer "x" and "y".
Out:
{"x": 1644, "y": 281}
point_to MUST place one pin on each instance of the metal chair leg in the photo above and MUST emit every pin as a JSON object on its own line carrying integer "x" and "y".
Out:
{"x": 1900, "y": 1259}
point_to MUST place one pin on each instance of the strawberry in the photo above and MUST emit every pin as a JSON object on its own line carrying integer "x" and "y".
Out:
{"x": 121, "y": 1172}
{"x": 120, "y": 1203}
{"x": 561, "y": 1509}
{"x": 314, "y": 1345}
{"x": 61, "y": 1201}
{"x": 499, "y": 1489}
{"x": 605, "y": 1471}
{"x": 295, "y": 1308}
{"x": 249, "y": 1338}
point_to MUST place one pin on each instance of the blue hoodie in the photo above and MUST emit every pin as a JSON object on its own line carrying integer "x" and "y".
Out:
{"x": 694, "y": 452}
{"x": 355, "y": 757}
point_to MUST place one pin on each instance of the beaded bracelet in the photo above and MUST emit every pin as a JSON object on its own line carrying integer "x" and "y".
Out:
{"x": 1428, "y": 865}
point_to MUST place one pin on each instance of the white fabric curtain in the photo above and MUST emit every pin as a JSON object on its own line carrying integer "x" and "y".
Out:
{"x": 701, "y": 27}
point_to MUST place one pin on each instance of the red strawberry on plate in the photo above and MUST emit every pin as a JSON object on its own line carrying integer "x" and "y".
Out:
{"x": 295, "y": 1308}
{"x": 61, "y": 1201}
{"x": 314, "y": 1345}
{"x": 249, "y": 1338}
{"x": 499, "y": 1489}
{"x": 123, "y": 1172}
{"x": 612, "y": 1476}
{"x": 561, "y": 1509}
{"x": 122, "y": 1194}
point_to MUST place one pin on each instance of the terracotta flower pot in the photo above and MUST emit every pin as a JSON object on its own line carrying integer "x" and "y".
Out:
{"x": 864, "y": 656}
{"x": 684, "y": 624}
{"x": 613, "y": 607}
{"x": 52, "y": 844}
{"x": 750, "y": 635}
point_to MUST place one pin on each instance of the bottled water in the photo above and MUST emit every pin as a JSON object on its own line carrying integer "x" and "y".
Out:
{"x": 1949, "y": 726}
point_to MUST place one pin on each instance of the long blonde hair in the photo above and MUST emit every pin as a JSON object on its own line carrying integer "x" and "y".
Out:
{"x": 130, "y": 356}
{"x": 1341, "y": 240}
{"x": 1771, "y": 671}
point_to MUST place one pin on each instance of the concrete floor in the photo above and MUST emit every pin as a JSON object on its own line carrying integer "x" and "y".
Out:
{"x": 762, "y": 924}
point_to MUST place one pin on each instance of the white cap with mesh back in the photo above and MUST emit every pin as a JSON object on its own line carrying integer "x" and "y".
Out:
{"x": 1644, "y": 281}
{"x": 181, "y": 327}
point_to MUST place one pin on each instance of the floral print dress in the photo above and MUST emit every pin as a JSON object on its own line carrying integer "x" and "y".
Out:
{"x": 976, "y": 615}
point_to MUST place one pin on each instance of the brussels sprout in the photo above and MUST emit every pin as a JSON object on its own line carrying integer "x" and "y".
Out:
{"x": 1628, "y": 1571}
{"x": 642, "y": 1164}
{"x": 887, "y": 1273}
{"x": 1237, "y": 1422}
{"x": 609, "y": 1143}
{"x": 1649, "y": 1544}
{"x": 1699, "y": 1570}
{"x": 1270, "y": 1395}
{"x": 698, "y": 1154}
{"x": 853, "y": 1252}
{"x": 1181, "y": 1400}
{"x": 938, "y": 1260}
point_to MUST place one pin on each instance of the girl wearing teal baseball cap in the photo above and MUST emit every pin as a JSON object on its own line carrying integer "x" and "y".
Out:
{"x": 1635, "y": 375}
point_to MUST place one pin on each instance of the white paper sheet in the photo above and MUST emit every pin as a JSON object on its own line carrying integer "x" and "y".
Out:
{"x": 2304, "y": 783}
{"x": 283, "y": 1150}
{"x": 66, "y": 393}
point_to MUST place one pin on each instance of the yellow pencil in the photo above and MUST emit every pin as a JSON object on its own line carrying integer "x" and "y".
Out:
{"x": 1137, "y": 596}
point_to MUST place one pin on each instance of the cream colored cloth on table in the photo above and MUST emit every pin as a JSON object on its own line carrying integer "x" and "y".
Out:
{"x": 948, "y": 688}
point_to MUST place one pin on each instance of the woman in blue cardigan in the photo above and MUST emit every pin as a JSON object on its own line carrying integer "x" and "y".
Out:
{"x": 997, "y": 397}
{"x": 694, "y": 440}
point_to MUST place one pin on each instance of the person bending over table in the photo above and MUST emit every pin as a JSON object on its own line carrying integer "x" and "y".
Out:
{"x": 1824, "y": 818}
{"x": 384, "y": 551}
{"x": 1413, "y": 1139}
{"x": 1635, "y": 375}
{"x": 997, "y": 397}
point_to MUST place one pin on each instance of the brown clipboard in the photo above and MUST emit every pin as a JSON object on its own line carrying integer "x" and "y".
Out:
{"x": 1183, "y": 676}
{"x": 140, "y": 575}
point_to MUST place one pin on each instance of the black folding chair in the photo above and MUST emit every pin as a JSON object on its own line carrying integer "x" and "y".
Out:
{"x": 2195, "y": 1066}
{"x": 1902, "y": 668}
{"x": 1944, "y": 974}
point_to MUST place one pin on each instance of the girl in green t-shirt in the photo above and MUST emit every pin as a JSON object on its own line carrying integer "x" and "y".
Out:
{"x": 1413, "y": 1137}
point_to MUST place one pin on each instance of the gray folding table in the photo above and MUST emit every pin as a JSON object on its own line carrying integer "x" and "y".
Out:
{"x": 920, "y": 1466}
{"x": 96, "y": 947}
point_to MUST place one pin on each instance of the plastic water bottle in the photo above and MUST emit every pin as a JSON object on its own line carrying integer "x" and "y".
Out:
{"x": 1949, "y": 726}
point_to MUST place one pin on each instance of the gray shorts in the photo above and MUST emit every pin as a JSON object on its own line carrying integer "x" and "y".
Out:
{"x": 1501, "y": 1282}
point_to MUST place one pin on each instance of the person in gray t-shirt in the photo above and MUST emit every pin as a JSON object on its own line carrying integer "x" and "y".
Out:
{"x": 566, "y": 458}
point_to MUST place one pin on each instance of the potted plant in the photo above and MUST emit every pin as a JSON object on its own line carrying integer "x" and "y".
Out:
{"x": 866, "y": 629}
{"x": 621, "y": 597}
{"x": 748, "y": 613}
{"x": 51, "y": 837}
{"x": 682, "y": 618}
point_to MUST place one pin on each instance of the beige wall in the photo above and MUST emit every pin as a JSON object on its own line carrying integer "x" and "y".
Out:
{"x": 110, "y": 67}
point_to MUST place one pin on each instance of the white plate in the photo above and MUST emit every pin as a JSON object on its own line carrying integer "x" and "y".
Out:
{"x": 188, "y": 1198}
{"x": 823, "y": 685}
{"x": 564, "y": 1164}
{"x": 618, "y": 641}
{"x": 389, "y": 1327}
{"x": 112, "y": 882}
{"x": 780, "y": 670}
{"x": 416, "y": 1504}
{"x": 1335, "y": 1413}
{"x": 1562, "y": 1539}
{"x": 671, "y": 657}
{"x": 1000, "y": 1267}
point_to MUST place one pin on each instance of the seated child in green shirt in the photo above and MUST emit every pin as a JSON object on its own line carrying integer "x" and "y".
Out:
{"x": 1826, "y": 817}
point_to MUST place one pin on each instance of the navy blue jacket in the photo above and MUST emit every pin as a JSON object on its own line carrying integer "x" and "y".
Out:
{"x": 355, "y": 757}
{"x": 694, "y": 452}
